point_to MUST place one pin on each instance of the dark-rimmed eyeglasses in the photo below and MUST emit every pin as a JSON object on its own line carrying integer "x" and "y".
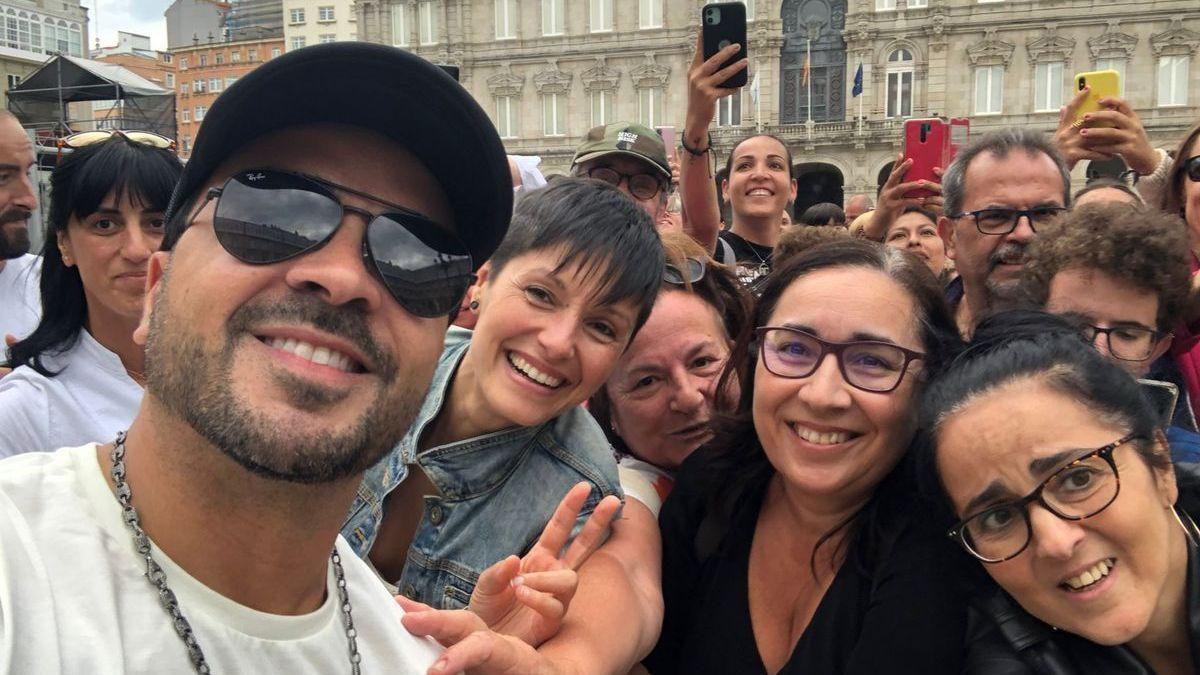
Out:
{"x": 1081, "y": 489}
{"x": 641, "y": 185}
{"x": 692, "y": 272}
{"x": 869, "y": 365}
{"x": 267, "y": 216}
{"x": 1191, "y": 168}
{"x": 1003, "y": 221}
{"x": 1127, "y": 343}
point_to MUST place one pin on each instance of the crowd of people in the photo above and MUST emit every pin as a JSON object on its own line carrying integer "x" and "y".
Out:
{"x": 354, "y": 391}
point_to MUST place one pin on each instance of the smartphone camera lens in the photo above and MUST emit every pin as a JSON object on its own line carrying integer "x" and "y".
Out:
{"x": 1082, "y": 83}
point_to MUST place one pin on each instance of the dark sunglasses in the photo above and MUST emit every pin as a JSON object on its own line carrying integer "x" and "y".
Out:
{"x": 1191, "y": 167}
{"x": 693, "y": 271}
{"x": 267, "y": 216}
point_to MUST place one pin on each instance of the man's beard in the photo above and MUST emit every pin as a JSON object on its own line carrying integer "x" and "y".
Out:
{"x": 14, "y": 241}
{"x": 1004, "y": 294}
{"x": 195, "y": 384}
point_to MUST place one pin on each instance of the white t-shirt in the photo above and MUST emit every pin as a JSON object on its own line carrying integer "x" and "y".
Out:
{"x": 20, "y": 299}
{"x": 73, "y": 598}
{"x": 645, "y": 482}
{"x": 90, "y": 400}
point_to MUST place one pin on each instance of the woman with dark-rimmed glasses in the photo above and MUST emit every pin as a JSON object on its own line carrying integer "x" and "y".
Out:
{"x": 792, "y": 542}
{"x": 1061, "y": 486}
{"x": 78, "y": 376}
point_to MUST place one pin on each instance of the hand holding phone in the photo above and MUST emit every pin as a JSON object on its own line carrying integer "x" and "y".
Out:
{"x": 723, "y": 24}
{"x": 1099, "y": 84}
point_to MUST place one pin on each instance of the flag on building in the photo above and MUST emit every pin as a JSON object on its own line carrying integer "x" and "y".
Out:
{"x": 857, "y": 90}
{"x": 754, "y": 89}
{"x": 807, "y": 69}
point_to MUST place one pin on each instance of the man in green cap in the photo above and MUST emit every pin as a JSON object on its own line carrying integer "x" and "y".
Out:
{"x": 631, "y": 157}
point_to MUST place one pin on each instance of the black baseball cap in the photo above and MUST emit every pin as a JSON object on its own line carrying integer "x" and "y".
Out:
{"x": 383, "y": 89}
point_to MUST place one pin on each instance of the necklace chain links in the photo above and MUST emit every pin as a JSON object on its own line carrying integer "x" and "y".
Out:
{"x": 166, "y": 597}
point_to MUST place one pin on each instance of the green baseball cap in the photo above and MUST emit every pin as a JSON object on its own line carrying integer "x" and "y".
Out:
{"x": 628, "y": 139}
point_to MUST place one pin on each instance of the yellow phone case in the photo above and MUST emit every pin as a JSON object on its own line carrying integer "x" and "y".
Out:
{"x": 1101, "y": 84}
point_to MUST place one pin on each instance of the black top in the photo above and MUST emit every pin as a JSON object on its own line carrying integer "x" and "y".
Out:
{"x": 751, "y": 260}
{"x": 903, "y": 618}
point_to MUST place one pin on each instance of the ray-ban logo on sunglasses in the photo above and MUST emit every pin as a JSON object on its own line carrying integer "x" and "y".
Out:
{"x": 255, "y": 176}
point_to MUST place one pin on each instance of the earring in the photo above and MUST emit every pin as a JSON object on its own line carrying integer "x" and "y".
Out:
{"x": 473, "y": 306}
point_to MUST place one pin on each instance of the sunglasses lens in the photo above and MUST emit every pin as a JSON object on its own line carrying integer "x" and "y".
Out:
{"x": 148, "y": 138}
{"x": 85, "y": 138}
{"x": 267, "y": 217}
{"x": 643, "y": 186}
{"x": 426, "y": 268}
{"x": 695, "y": 270}
{"x": 1192, "y": 167}
{"x": 671, "y": 275}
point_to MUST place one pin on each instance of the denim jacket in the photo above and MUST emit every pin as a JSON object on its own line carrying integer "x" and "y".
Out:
{"x": 497, "y": 491}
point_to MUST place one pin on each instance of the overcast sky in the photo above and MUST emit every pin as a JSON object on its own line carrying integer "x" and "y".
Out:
{"x": 144, "y": 17}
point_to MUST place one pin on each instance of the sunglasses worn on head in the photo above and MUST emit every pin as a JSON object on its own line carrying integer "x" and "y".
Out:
{"x": 692, "y": 272}
{"x": 1191, "y": 168}
{"x": 86, "y": 138}
{"x": 267, "y": 216}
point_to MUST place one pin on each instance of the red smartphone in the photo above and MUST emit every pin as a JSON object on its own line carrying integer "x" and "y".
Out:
{"x": 925, "y": 143}
{"x": 722, "y": 24}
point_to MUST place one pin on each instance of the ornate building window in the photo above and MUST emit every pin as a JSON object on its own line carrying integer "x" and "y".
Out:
{"x": 601, "y": 103}
{"x": 554, "y": 114}
{"x": 650, "y": 13}
{"x": 1173, "y": 79}
{"x": 552, "y": 17}
{"x": 400, "y": 29}
{"x": 885, "y": 5}
{"x": 600, "y": 16}
{"x": 650, "y": 106}
{"x": 506, "y": 19}
{"x": 650, "y": 80}
{"x": 506, "y": 116}
{"x": 989, "y": 90}
{"x": 729, "y": 110}
{"x": 427, "y": 21}
{"x": 899, "y": 91}
{"x": 1047, "y": 86}
{"x": 1174, "y": 48}
{"x": 600, "y": 81}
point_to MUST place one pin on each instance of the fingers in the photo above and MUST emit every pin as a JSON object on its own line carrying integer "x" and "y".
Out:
{"x": 558, "y": 530}
{"x": 1119, "y": 105}
{"x": 10, "y": 339}
{"x": 1068, "y": 111}
{"x": 713, "y": 64}
{"x": 412, "y": 605}
{"x": 900, "y": 168}
{"x": 589, "y": 538}
{"x": 546, "y": 604}
{"x": 487, "y": 652}
{"x": 499, "y": 577}
{"x": 725, "y": 73}
{"x": 557, "y": 582}
{"x": 447, "y": 626}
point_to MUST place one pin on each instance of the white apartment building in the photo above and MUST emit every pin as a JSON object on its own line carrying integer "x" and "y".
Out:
{"x": 45, "y": 27}
{"x": 311, "y": 22}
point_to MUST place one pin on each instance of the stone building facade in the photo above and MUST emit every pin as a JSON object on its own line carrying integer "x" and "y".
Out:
{"x": 547, "y": 70}
{"x": 310, "y": 22}
{"x": 204, "y": 70}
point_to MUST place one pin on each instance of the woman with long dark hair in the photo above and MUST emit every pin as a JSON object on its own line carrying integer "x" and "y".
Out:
{"x": 77, "y": 377}
{"x": 792, "y": 542}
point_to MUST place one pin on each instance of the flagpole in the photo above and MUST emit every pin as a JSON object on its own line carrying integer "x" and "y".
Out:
{"x": 808, "y": 72}
{"x": 861, "y": 95}
{"x": 758, "y": 98}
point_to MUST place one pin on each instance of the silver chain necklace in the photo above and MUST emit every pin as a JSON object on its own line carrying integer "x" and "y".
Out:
{"x": 166, "y": 596}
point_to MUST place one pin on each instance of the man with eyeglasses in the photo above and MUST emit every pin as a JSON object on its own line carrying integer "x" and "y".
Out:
{"x": 633, "y": 158}
{"x": 998, "y": 192}
{"x": 314, "y": 251}
{"x": 1121, "y": 271}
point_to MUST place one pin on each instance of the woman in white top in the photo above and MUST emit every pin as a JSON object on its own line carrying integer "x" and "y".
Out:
{"x": 656, "y": 406}
{"x": 77, "y": 377}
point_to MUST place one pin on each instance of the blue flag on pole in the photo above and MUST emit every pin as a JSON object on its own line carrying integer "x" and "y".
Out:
{"x": 857, "y": 82}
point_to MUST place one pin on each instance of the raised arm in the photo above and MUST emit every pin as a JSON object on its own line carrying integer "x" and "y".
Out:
{"x": 697, "y": 183}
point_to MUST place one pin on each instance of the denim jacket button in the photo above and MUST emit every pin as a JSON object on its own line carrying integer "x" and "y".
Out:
{"x": 435, "y": 514}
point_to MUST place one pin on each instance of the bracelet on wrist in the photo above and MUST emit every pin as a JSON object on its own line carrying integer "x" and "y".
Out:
{"x": 695, "y": 152}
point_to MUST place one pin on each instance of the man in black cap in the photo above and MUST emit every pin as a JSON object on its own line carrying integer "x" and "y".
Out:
{"x": 314, "y": 251}
{"x": 633, "y": 158}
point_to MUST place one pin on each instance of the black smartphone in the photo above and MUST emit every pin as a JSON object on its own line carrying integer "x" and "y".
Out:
{"x": 723, "y": 24}
{"x": 452, "y": 71}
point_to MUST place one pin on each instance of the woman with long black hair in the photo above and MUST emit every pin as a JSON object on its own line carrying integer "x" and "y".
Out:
{"x": 77, "y": 377}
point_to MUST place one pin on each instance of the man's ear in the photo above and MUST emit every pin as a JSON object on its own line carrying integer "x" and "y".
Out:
{"x": 1161, "y": 348}
{"x": 725, "y": 190}
{"x": 156, "y": 269}
{"x": 945, "y": 228}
